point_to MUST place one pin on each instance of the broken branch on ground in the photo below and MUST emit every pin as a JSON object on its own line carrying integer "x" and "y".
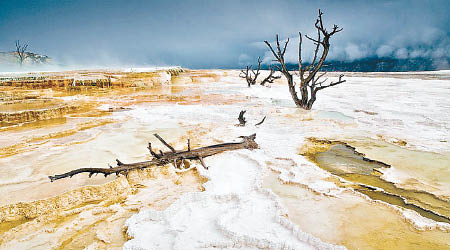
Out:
{"x": 163, "y": 158}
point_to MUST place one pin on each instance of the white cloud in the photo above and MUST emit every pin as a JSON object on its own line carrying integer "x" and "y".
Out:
{"x": 401, "y": 53}
{"x": 244, "y": 59}
{"x": 384, "y": 51}
{"x": 419, "y": 53}
{"x": 354, "y": 51}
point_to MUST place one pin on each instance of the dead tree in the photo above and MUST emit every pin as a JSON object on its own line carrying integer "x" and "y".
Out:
{"x": 270, "y": 78}
{"x": 21, "y": 53}
{"x": 173, "y": 156}
{"x": 250, "y": 75}
{"x": 310, "y": 82}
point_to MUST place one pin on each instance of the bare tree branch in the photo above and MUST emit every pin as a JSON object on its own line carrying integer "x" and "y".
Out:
{"x": 202, "y": 162}
{"x": 316, "y": 51}
{"x": 270, "y": 78}
{"x": 309, "y": 81}
{"x": 164, "y": 142}
{"x": 271, "y": 49}
{"x": 285, "y": 46}
{"x": 332, "y": 83}
{"x": 151, "y": 151}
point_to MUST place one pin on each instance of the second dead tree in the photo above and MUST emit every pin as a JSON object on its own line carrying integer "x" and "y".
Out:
{"x": 310, "y": 82}
{"x": 251, "y": 76}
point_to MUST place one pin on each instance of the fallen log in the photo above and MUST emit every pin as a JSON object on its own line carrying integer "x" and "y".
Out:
{"x": 163, "y": 158}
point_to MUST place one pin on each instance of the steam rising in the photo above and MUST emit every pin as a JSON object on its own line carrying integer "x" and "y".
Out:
{"x": 219, "y": 34}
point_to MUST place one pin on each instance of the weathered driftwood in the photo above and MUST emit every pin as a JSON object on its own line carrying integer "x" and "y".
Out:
{"x": 243, "y": 121}
{"x": 261, "y": 122}
{"x": 163, "y": 158}
{"x": 241, "y": 118}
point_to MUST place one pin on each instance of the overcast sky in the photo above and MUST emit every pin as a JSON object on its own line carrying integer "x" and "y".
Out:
{"x": 215, "y": 34}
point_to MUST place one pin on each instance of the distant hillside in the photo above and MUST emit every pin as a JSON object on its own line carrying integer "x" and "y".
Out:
{"x": 10, "y": 58}
{"x": 384, "y": 65}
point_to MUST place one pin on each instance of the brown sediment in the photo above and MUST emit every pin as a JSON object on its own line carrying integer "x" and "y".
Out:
{"x": 116, "y": 189}
{"x": 79, "y": 127}
{"x": 11, "y": 94}
{"x": 92, "y": 214}
{"x": 36, "y": 115}
{"x": 35, "y": 124}
{"x": 13, "y": 149}
{"x": 401, "y": 142}
{"x": 133, "y": 87}
{"x": 24, "y": 111}
{"x": 200, "y": 76}
{"x": 36, "y": 83}
{"x": 82, "y": 79}
{"x": 37, "y": 140}
{"x": 181, "y": 79}
{"x": 344, "y": 161}
{"x": 186, "y": 99}
{"x": 351, "y": 220}
{"x": 8, "y": 225}
{"x": 34, "y": 103}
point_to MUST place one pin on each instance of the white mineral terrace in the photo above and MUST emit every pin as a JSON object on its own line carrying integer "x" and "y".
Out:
{"x": 247, "y": 202}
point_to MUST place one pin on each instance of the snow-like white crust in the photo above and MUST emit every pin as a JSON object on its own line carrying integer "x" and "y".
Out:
{"x": 398, "y": 108}
{"x": 233, "y": 212}
{"x": 421, "y": 222}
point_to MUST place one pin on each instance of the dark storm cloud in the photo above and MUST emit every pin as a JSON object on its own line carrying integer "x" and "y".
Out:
{"x": 212, "y": 33}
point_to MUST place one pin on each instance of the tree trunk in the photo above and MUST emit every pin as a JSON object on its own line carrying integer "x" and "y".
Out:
{"x": 292, "y": 90}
